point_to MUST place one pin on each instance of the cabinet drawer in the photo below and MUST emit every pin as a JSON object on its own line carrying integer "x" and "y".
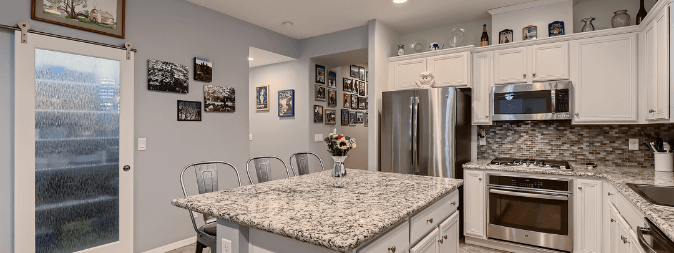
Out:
{"x": 629, "y": 212}
{"x": 430, "y": 218}
{"x": 428, "y": 245}
{"x": 397, "y": 238}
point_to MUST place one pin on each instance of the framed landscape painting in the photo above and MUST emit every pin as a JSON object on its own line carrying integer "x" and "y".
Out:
{"x": 189, "y": 110}
{"x": 219, "y": 99}
{"x": 100, "y": 16}
{"x": 203, "y": 70}
{"x": 286, "y": 103}
{"x": 354, "y": 71}
{"x": 261, "y": 98}
{"x": 166, "y": 76}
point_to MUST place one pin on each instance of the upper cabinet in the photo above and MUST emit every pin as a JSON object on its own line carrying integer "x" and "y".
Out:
{"x": 656, "y": 70}
{"x": 537, "y": 63}
{"x": 449, "y": 67}
{"x": 482, "y": 86}
{"x": 604, "y": 77}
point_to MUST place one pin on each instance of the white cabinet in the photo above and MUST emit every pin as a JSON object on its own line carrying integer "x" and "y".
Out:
{"x": 427, "y": 245}
{"x": 482, "y": 86}
{"x": 622, "y": 239}
{"x": 406, "y": 73}
{"x": 474, "y": 196}
{"x": 604, "y": 76}
{"x": 532, "y": 64}
{"x": 588, "y": 216}
{"x": 449, "y": 235}
{"x": 510, "y": 66}
{"x": 550, "y": 62}
{"x": 450, "y": 70}
{"x": 656, "y": 71}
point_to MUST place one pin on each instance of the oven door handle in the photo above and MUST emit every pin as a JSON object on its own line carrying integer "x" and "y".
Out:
{"x": 530, "y": 195}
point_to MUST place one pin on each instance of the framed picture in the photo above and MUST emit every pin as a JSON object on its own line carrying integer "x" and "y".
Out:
{"x": 354, "y": 71}
{"x": 366, "y": 119}
{"x": 360, "y": 117}
{"x": 354, "y": 101}
{"x": 203, "y": 70}
{"x": 361, "y": 89}
{"x": 346, "y": 84}
{"x": 189, "y": 110}
{"x": 219, "y": 99}
{"x": 505, "y": 36}
{"x": 319, "y": 93}
{"x": 332, "y": 79}
{"x": 166, "y": 76}
{"x": 347, "y": 101}
{"x": 361, "y": 103}
{"x": 332, "y": 98}
{"x": 104, "y": 16}
{"x": 286, "y": 103}
{"x": 367, "y": 102}
{"x": 367, "y": 76}
{"x": 352, "y": 118}
{"x": 556, "y": 28}
{"x": 356, "y": 86}
{"x": 345, "y": 117}
{"x": 320, "y": 74}
{"x": 530, "y": 33}
{"x": 318, "y": 114}
{"x": 262, "y": 98}
{"x": 330, "y": 117}
{"x": 361, "y": 72}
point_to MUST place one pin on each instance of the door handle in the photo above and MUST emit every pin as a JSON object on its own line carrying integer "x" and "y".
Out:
{"x": 530, "y": 195}
{"x": 644, "y": 244}
{"x": 126, "y": 168}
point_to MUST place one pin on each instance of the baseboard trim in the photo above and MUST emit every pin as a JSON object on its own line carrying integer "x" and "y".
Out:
{"x": 173, "y": 246}
{"x": 506, "y": 246}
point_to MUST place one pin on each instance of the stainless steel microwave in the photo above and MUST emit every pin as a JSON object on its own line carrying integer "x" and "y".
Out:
{"x": 537, "y": 101}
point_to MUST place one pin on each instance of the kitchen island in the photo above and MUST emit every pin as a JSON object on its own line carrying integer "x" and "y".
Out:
{"x": 374, "y": 212}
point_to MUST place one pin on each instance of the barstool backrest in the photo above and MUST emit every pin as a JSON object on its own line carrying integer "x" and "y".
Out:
{"x": 207, "y": 180}
{"x": 302, "y": 161}
{"x": 263, "y": 168}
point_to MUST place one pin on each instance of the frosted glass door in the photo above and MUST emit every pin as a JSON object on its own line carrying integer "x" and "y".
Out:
{"x": 77, "y": 133}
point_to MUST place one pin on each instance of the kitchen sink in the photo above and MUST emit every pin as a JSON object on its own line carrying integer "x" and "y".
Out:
{"x": 659, "y": 195}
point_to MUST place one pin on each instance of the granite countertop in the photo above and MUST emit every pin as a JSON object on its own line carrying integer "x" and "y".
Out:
{"x": 662, "y": 216}
{"x": 309, "y": 209}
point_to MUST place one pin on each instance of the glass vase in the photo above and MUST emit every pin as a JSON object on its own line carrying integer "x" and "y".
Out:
{"x": 588, "y": 27}
{"x": 621, "y": 19}
{"x": 339, "y": 171}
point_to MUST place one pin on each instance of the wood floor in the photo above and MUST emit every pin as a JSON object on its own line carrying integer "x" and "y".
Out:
{"x": 463, "y": 248}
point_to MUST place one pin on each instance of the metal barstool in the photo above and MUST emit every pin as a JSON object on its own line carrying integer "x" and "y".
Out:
{"x": 302, "y": 160}
{"x": 207, "y": 181}
{"x": 263, "y": 168}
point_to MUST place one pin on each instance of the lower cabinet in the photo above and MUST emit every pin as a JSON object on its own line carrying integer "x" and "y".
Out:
{"x": 622, "y": 239}
{"x": 475, "y": 209}
{"x": 588, "y": 216}
{"x": 443, "y": 239}
{"x": 396, "y": 240}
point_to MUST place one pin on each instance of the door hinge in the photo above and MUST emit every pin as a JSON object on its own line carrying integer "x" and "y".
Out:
{"x": 129, "y": 49}
{"x": 24, "y": 26}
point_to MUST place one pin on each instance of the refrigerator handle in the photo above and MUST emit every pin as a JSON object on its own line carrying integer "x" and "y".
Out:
{"x": 415, "y": 133}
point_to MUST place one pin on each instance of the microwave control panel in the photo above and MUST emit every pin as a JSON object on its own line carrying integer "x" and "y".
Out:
{"x": 562, "y": 100}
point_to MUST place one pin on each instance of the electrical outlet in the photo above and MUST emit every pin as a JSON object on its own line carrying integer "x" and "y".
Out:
{"x": 482, "y": 141}
{"x": 318, "y": 138}
{"x": 634, "y": 144}
{"x": 226, "y": 246}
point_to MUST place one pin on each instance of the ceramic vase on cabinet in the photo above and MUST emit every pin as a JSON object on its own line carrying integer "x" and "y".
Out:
{"x": 621, "y": 19}
{"x": 588, "y": 27}
{"x": 401, "y": 50}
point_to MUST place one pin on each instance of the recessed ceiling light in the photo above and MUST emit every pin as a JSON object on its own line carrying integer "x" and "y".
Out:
{"x": 250, "y": 58}
{"x": 288, "y": 23}
{"x": 399, "y": 1}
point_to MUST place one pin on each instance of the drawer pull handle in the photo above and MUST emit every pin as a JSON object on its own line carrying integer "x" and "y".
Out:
{"x": 453, "y": 203}
{"x": 651, "y": 111}
{"x": 392, "y": 249}
{"x": 580, "y": 188}
{"x": 534, "y": 74}
{"x": 430, "y": 220}
{"x": 624, "y": 239}
{"x": 612, "y": 220}
{"x": 480, "y": 179}
{"x": 610, "y": 194}
{"x": 441, "y": 241}
{"x": 444, "y": 236}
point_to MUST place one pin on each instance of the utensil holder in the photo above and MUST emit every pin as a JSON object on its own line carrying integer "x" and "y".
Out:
{"x": 664, "y": 162}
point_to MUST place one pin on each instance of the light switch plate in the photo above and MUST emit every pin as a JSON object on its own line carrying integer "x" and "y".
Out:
{"x": 142, "y": 144}
{"x": 226, "y": 246}
{"x": 482, "y": 141}
{"x": 250, "y": 137}
{"x": 634, "y": 144}
{"x": 318, "y": 137}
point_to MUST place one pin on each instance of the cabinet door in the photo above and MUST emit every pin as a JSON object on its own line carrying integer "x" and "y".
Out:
{"x": 427, "y": 245}
{"x": 449, "y": 235}
{"x": 550, "y": 62}
{"x": 605, "y": 79}
{"x": 407, "y": 73}
{"x": 482, "y": 86}
{"x": 614, "y": 242}
{"x": 588, "y": 215}
{"x": 510, "y": 66}
{"x": 475, "y": 204}
{"x": 656, "y": 44}
{"x": 450, "y": 70}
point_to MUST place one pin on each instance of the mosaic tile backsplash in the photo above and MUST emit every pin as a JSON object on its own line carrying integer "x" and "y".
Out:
{"x": 607, "y": 145}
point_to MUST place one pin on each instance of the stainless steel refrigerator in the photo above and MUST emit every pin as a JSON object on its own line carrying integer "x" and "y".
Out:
{"x": 425, "y": 132}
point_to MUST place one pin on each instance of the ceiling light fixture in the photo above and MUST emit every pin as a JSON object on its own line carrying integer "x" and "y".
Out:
{"x": 250, "y": 58}
{"x": 399, "y": 1}
{"x": 287, "y": 23}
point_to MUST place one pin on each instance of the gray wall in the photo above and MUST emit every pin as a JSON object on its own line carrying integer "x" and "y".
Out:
{"x": 169, "y": 30}
{"x": 473, "y": 32}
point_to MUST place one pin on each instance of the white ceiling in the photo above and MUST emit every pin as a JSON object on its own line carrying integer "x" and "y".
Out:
{"x": 316, "y": 17}
{"x": 263, "y": 57}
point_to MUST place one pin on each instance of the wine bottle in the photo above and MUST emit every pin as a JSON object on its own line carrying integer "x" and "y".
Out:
{"x": 641, "y": 15}
{"x": 484, "y": 40}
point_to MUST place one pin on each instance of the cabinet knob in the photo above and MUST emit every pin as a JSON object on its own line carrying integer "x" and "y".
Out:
{"x": 480, "y": 179}
{"x": 392, "y": 249}
{"x": 126, "y": 168}
{"x": 534, "y": 74}
{"x": 610, "y": 194}
{"x": 444, "y": 236}
{"x": 612, "y": 220}
{"x": 624, "y": 239}
{"x": 430, "y": 220}
{"x": 651, "y": 111}
{"x": 580, "y": 187}
{"x": 577, "y": 114}
{"x": 441, "y": 241}
{"x": 453, "y": 203}
{"x": 486, "y": 116}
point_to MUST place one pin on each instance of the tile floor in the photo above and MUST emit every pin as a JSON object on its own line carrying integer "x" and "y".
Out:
{"x": 463, "y": 248}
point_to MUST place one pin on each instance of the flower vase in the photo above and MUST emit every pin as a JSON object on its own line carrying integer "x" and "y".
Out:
{"x": 621, "y": 19}
{"x": 339, "y": 171}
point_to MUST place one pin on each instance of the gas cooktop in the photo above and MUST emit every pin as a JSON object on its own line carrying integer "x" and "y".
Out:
{"x": 549, "y": 164}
